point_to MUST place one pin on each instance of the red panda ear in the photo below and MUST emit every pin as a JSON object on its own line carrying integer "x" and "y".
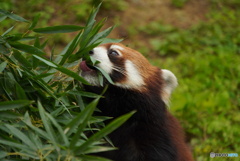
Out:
{"x": 170, "y": 83}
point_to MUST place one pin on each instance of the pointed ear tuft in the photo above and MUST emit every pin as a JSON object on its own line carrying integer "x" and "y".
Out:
{"x": 170, "y": 83}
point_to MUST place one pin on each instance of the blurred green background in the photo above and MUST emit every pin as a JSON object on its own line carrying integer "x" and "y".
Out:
{"x": 198, "y": 41}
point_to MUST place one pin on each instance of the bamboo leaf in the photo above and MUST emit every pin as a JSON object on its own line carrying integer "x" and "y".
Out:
{"x": 60, "y": 130}
{"x": 70, "y": 49}
{"x": 28, "y": 122}
{"x": 9, "y": 115}
{"x": 58, "y": 29}
{"x": 82, "y": 53}
{"x": 93, "y": 14}
{"x": 63, "y": 70}
{"x": 101, "y": 35}
{"x": 98, "y": 149}
{"x": 27, "y": 48}
{"x": 72, "y": 74}
{"x": 51, "y": 133}
{"x": 85, "y": 94}
{"x": 12, "y": 16}
{"x": 3, "y": 154}
{"x": 17, "y": 55}
{"x": 20, "y": 93}
{"x": 3, "y": 66}
{"x": 109, "y": 40}
{"x": 16, "y": 145}
{"x": 20, "y": 135}
{"x": 3, "y": 17}
{"x": 9, "y": 105}
{"x": 105, "y": 75}
{"x": 81, "y": 121}
{"x": 9, "y": 30}
{"x": 4, "y": 49}
{"x": 34, "y": 21}
{"x": 51, "y": 64}
{"x": 105, "y": 131}
{"x": 40, "y": 76}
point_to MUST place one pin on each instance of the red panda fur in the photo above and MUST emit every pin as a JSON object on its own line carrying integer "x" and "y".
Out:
{"x": 152, "y": 133}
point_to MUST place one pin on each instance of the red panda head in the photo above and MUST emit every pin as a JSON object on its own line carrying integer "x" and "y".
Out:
{"x": 128, "y": 69}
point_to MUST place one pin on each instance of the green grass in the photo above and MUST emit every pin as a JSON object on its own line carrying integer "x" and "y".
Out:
{"x": 205, "y": 58}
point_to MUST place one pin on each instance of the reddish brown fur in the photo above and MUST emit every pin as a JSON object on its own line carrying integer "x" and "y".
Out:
{"x": 177, "y": 136}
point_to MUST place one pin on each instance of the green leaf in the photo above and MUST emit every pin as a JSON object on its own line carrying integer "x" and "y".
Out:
{"x": 105, "y": 75}
{"x": 37, "y": 43}
{"x": 93, "y": 14}
{"x": 108, "y": 40}
{"x": 20, "y": 93}
{"x": 47, "y": 125}
{"x": 9, "y": 115}
{"x": 3, "y": 154}
{"x": 103, "y": 132}
{"x": 85, "y": 94}
{"x": 71, "y": 47}
{"x": 12, "y": 16}
{"x": 34, "y": 21}
{"x": 27, "y": 48}
{"x": 59, "y": 128}
{"x": 9, "y": 105}
{"x": 83, "y": 53}
{"x": 17, "y": 55}
{"x": 100, "y": 78}
{"x": 94, "y": 61}
{"x": 20, "y": 135}
{"x": 9, "y": 30}
{"x": 51, "y": 64}
{"x": 39, "y": 131}
{"x": 72, "y": 74}
{"x": 89, "y": 31}
{"x": 3, "y": 17}
{"x": 16, "y": 145}
{"x": 80, "y": 121}
{"x": 40, "y": 76}
{"x": 63, "y": 70}
{"x": 58, "y": 29}
{"x": 89, "y": 34}
{"x": 27, "y": 38}
{"x": 3, "y": 66}
{"x": 101, "y": 35}
{"x": 4, "y": 49}
{"x": 98, "y": 149}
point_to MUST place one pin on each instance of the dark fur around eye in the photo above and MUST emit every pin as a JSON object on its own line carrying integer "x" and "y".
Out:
{"x": 113, "y": 53}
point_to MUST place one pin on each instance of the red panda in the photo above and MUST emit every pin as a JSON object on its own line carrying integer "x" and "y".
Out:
{"x": 152, "y": 133}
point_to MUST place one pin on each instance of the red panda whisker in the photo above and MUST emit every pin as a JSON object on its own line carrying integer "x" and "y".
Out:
{"x": 120, "y": 71}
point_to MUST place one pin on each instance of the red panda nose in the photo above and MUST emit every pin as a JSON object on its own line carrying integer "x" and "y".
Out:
{"x": 91, "y": 52}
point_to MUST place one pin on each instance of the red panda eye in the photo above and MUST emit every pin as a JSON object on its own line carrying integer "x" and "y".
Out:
{"x": 112, "y": 52}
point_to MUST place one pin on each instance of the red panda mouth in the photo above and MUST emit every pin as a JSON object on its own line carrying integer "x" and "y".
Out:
{"x": 85, "y": 67}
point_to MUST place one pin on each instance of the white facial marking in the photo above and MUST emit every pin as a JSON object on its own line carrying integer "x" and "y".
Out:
{"x": 116, "y": 47}
{"x": 101, "y": 54}
{"x": 91, "y": 78}
{"x": 134, "y": 78}
{"x": 170, "y": 83}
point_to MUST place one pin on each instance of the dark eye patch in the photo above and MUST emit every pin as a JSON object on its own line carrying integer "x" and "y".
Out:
{"x": 119, "y": 64}
{"x": 113, "y": 53}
